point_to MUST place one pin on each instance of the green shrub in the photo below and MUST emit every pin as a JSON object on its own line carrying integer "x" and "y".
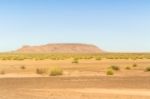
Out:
{"x": 55, "y": 71}
{"x": 147, "y": 69}
{"x": 110, "y": 72}
{"x": 41, "y": 70}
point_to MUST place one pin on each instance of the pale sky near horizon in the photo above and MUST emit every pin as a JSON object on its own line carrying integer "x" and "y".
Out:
{"x": 112, "y": 25}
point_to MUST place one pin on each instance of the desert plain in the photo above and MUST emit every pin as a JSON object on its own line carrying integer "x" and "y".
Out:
{"x": 90, "y": 77}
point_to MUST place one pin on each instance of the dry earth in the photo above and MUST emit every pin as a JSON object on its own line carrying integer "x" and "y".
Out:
{"x": 75, "y": 88}
{"x": 86, "y": 80}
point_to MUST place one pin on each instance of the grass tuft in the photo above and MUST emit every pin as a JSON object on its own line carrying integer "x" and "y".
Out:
{"x": 134, "y": 65}
{"x": 128, "y": 68}
{"x": 147, "y": 69}
{"x": 55, "y": 71}
{"x": 113, "y": 67}
{"x": 110, "y": 72}
{"x": 41, "y": 71}
{"x": 75, "y": 61}
{"x": 22, "y": 67}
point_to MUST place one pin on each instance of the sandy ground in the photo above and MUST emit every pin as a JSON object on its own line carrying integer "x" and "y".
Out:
{"x": 86, "y": 80}
{"x": 84, "y": 68}
{"x": 75, "y": 88}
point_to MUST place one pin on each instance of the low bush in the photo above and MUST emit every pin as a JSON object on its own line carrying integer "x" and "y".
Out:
{"x": 147, "y": 69}
{"x": 22, "y": 67}
{"x": 113, "y": 67}
{"x": 75, "y": 61}
{"x": 110, "y": 72}
{"x": 55, "y": 71}
{"x": 41, "y": 70}
{"x": 98, "y": 58}
{"x": 127, "y": 68}
{"x": 134, "y": 65}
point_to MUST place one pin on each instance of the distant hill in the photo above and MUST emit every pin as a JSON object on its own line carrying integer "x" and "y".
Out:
{"x": 61, "y": 48}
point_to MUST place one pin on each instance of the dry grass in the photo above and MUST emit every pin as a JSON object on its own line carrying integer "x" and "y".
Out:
{"x": 56, "y": 71}
{"x": 147, "y": 69}
{"x": 41, "y": 71}
{"x": 75, "y": 61}
{"x": 23, "y": 67}
{"x": 113, "y": 67}
{"x": 110, "y": 72}
{"x": 134, "y": 65}
{"x": 39, "y": 56}
{"x": 128, "y": 68}
{"x": 84, "y": 67}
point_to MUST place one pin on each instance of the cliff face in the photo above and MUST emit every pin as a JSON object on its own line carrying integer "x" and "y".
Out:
{"x": 61, "y": 48}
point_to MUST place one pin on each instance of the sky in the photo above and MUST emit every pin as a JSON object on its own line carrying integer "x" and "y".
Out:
{"x": 112, "y": 25}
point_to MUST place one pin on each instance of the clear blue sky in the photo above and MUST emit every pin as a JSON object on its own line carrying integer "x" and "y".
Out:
{"x": 113, "y": 25}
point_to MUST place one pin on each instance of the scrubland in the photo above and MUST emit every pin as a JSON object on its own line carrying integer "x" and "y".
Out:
{"x": 82, "y": 76}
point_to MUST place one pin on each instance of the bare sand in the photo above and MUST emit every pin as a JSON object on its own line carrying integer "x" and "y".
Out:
{"x": 86, "y": 80}
{"x": 75, "y": 88}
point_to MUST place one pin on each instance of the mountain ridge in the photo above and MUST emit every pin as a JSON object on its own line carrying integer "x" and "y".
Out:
{"x": 60, "y": 48}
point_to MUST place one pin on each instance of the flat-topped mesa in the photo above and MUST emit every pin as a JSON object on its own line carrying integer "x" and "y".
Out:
{"x": 61, "y": 48}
